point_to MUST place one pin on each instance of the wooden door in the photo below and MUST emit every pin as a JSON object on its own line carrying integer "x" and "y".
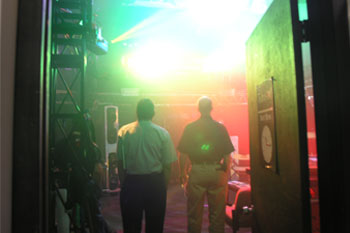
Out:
{"x": 278, "y": 147}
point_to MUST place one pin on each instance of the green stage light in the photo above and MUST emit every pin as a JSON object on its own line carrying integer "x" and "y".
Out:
{"x": 202, "y": 39}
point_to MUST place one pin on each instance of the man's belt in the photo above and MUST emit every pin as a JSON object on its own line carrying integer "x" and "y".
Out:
{"x": 221, "y": 168}
{"x": 206, "y": 162}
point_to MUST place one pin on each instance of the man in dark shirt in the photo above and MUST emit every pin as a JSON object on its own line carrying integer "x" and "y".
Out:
{"x": 207, "y": 144}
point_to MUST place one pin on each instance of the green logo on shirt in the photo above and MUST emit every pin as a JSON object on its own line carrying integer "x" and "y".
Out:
{"x": 205, "y": 147}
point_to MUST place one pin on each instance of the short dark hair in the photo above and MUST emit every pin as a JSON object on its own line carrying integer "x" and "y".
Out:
{"x": 145, "y": 109}
{"x": 204, "y": 104}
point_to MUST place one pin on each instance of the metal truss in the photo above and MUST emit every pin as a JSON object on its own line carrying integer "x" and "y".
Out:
{"x": 70, "y": 32}
{"x": 71, "y": 24}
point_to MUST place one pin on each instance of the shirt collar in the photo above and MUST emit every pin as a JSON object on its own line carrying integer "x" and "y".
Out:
{"x": 206, "y": 118}
{"x": 142, "y": 122}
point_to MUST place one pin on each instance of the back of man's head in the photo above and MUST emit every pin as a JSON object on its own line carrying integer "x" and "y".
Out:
{"x": 145, "y": 109}
{"x": 205, "y": 105}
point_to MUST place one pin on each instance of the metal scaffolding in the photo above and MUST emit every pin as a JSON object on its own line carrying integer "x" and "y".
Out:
{"x": 72, "y": 35}
{"x": 71, "y": 24}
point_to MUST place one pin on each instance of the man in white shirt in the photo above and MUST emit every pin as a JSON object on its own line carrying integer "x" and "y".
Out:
{"x": 145, "y": 154}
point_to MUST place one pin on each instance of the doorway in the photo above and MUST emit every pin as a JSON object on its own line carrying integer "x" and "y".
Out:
{"x": 132, "y": 90}
{"x": 149, "y": 55}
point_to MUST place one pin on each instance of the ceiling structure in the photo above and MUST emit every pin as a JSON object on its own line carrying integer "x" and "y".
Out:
{"x": 175, "y": 46}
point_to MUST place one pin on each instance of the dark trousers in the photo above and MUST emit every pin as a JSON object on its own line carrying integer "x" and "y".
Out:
{"x": 143, "y": 193}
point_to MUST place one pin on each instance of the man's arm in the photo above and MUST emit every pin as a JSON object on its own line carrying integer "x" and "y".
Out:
{"x": 121, "y": 172}
{"x": 167, "y": 173}
{"x": 169, "y": 156}
{"x": 227, "y": 161}
{"x": 183, "y": 164}
{"x": 120, "y": 161}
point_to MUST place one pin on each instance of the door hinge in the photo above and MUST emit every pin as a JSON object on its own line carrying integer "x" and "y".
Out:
{"x": 305, "y": 30}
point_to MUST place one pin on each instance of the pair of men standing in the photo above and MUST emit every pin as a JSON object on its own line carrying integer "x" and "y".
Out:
{"x": 145, "y": 154}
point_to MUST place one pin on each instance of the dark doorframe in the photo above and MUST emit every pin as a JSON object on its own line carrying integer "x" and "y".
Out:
{"x": 330, "y": 52}
{"x": 329, "y": 35}
{"x": 29, "y": 203}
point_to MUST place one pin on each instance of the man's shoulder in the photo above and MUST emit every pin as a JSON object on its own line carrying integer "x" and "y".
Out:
{"x": 130, "y": 125}
{"x": 200, "y": 122}
{"x": 219, "y": 124}
{"x": 220, "y": 127}
{"x": 125, "y": 128}
{"x": 192, "y": 124}
{"x": 159, "y": 128}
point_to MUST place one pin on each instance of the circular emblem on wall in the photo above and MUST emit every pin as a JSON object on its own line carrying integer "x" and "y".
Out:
{"x": 266, "y": 144}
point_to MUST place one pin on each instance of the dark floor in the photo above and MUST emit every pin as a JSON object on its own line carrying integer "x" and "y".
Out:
{"x": 175, "y": 219}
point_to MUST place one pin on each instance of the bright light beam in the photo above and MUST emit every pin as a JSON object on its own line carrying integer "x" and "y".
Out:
{"x": 143, "y": 26}
{"x": 154, "y": 60}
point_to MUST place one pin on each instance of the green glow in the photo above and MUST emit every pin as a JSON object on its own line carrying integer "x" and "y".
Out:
{"x": 205, "y": 147}
{"x": 302, "y": 8}
{"x": 187, "y": 49}
{"x": 212, "y": 34}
